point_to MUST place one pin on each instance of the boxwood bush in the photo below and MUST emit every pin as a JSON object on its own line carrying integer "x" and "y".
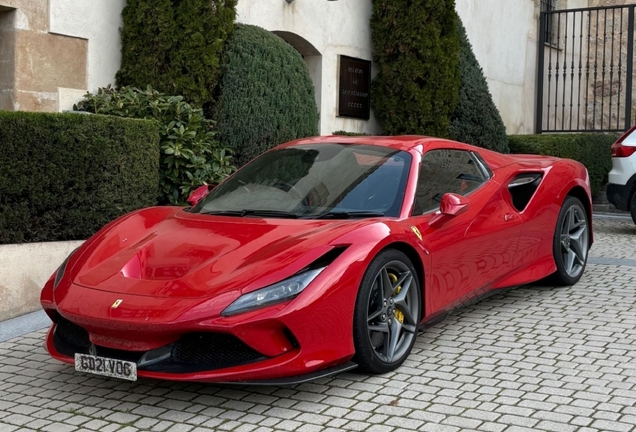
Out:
{"x": 592, "y": 150}
{"x": 266, "y": 94}
{"x": 64, "y": 176}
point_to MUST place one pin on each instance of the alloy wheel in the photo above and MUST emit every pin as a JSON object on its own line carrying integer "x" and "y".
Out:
{"x": 574, "y": 241}
{"x": 393, "y": 312}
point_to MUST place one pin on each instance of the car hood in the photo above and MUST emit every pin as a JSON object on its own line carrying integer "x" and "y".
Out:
{"x": 173, "y": 253}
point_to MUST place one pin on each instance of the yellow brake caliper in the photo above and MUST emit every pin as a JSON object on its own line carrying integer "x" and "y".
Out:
{"x": 399, "y": 315}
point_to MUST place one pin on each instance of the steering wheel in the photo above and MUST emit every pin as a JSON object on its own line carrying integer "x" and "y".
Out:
{"x": 288, "y": 187}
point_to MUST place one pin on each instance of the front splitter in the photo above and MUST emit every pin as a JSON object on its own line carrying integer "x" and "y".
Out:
{"x": 300, "y": 379}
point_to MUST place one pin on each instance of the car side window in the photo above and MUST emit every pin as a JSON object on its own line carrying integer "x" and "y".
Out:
{"x": 443, "y": 171}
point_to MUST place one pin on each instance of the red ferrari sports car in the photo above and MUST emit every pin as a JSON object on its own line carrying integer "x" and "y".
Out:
{"x": 319, "y": 256}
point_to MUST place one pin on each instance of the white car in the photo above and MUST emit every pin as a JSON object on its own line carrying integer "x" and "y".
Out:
{"x": 621, "y": 190}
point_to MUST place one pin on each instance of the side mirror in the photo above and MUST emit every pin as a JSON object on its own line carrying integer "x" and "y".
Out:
{"x": 199, "y": 193}
{"x": 450, "y": 206}
{"x": 453, "y": 204}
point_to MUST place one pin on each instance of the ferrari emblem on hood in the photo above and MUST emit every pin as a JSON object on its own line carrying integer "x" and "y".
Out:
{"x": 417, "y": 232}
{"x": 116, "y": 304}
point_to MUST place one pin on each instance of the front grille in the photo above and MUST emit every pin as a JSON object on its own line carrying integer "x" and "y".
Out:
{"x": 72, "y": 333}
{"x": 194, "y": 352}
{"x": 213, "y": 351}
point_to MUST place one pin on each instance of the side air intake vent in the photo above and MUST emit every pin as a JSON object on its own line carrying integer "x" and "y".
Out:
{"x": 523, "y": 187}
{"x": 327, "y": 258}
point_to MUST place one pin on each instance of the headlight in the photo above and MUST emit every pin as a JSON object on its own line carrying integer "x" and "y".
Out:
{"x": 277, "y": 293}
{"x": 61, "y": 269}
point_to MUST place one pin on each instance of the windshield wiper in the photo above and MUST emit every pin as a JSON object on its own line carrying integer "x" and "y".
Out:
{"x": 235, "y": 213}
{"x": 254, "y": 212}
{"x": 349, "y": 215}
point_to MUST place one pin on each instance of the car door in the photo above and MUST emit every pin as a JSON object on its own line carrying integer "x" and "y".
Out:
{"x": 469, "y": 251}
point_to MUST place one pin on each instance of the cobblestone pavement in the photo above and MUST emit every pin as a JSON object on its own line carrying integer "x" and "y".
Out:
{"x": 534, "y": 358}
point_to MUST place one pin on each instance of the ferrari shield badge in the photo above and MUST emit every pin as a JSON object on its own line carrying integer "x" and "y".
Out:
{"x": 116, "y": 304}
{"x": 417, "y": 232}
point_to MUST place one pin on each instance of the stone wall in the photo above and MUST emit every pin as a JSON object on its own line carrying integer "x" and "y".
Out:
{"x": 607, "y": 89}
{"x": 25, "y": 270}
{"x": 35, "y": 63}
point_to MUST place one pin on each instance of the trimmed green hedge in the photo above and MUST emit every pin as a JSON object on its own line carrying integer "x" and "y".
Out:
{"x": 592, "y": 150}
{"x": 64, "y": 176}
{"x": 266, "y": 94}
{"x": 190, "y": 154}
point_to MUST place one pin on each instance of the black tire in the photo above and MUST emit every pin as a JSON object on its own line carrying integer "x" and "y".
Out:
{"x": 570, "y": 268}
{"x": 400, "y": 315}
{"x": 632, "y": 207}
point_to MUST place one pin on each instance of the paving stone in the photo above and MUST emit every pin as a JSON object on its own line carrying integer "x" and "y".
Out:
{"x": 537, "y": 358}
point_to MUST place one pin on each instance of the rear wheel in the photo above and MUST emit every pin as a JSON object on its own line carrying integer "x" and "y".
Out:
{"x": 571, "y": 242}
{"x": 387, "y": 313}
{"x": 632, "y": 207}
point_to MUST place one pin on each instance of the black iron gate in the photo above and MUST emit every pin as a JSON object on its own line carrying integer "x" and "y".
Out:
{"x": 586, "y": 60}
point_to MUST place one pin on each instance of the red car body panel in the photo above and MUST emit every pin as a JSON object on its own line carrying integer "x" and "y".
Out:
{"x": 175, "y": 272}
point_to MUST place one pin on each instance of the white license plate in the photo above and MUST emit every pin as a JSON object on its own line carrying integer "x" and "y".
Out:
{"x": 106, "y": 367}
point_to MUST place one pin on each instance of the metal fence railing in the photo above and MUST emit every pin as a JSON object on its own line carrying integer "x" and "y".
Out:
{"x": 586, "y": 61}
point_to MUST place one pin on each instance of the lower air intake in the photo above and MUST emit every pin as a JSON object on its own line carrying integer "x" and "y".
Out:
{"x": 213, "y": 351}
{"x": 72, "y": 334}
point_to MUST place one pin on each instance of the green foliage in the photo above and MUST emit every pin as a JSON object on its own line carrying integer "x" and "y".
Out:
{"x": 417, "y": 56}
{"x": 476, "y": 119}
{"x": 344, "y": 133}
{"x": 147, "y": 38}
{"x": 266, "y": 94}
{"x": 190, "y": 154}
{"x": 592, "y": 150}
{"x": 64, "y": 176}
{"x": 175, "y": 45}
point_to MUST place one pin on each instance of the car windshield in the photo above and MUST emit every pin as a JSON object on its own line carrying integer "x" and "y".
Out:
{"x": 315, "y": 181}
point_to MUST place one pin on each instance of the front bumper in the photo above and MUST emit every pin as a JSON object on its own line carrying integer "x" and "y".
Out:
{"x": 182, "y": 340}
{"x": 262, "y": 371}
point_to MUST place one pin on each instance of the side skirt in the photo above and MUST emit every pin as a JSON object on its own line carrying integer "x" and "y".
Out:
{"x": 441, "y": 316}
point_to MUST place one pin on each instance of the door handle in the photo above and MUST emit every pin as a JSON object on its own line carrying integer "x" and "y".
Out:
{"x": 509, "y": 217}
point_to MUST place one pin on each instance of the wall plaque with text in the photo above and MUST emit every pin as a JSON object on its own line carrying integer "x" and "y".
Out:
{"x": 354, "y": 88}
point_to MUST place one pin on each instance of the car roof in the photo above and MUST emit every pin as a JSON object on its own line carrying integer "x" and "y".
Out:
{"x": 404, "y": 142}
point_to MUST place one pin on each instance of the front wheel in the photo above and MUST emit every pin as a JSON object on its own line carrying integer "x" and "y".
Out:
{"x": 571, "y": 242}
{"x": 387, "y": 313}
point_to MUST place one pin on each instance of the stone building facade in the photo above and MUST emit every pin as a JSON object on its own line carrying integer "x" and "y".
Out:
{"x": 53, "y": 51}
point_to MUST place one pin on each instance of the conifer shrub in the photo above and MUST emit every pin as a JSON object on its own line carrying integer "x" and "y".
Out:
{"x": 476, "y": 119}
{"x": 417, "y": 56}
{"x": 175, "y": 45}
{"x": 266, "y": 94}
